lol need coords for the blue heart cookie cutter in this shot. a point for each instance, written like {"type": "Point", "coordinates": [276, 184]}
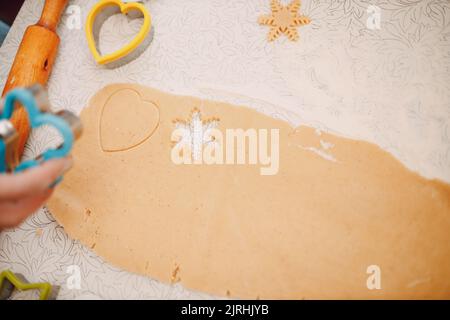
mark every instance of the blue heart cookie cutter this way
{"type": "Point", "coordinates": [37, 119]}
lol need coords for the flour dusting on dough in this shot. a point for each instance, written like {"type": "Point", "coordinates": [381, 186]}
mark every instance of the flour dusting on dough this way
{"type": "Point", "coordinates": [320, 152]}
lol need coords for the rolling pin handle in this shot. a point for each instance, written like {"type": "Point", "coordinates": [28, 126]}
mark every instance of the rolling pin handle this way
{"type": "Point", "coordinates": [51, 14]}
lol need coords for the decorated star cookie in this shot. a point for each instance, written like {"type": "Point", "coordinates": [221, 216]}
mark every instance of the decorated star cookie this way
{"type": "Point", "coordinates": [284, 19]}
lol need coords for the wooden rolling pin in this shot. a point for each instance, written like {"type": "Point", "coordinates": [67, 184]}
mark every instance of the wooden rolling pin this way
{"type": "Point", "coordinates": [34, 61]}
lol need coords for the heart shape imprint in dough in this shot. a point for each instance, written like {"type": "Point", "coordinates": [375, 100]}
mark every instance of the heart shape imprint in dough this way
{"type": "Point", "coordinates": [127, 121]}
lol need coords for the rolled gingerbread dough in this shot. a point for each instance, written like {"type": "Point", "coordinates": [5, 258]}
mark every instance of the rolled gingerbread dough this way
{"type": "Point", "coordinates": [336, 209]}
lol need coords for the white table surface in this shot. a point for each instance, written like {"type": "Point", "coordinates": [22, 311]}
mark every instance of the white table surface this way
{"type": "Point", "coordinates": [389, 86]}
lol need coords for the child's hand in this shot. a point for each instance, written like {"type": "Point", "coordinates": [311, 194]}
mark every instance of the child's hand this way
{"type": "Point", "coordinates": [23, 193]}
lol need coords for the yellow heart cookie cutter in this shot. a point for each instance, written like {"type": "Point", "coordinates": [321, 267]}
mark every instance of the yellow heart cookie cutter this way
{"type": "Point", "coordinates": [100, 8]}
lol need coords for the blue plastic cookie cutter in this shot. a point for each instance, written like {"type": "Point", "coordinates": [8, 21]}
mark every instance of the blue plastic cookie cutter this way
{"type": "Point", "coordinates": [67, 124]}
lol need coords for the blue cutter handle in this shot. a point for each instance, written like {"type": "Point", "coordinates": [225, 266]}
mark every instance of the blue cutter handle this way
{"type": "Point", "coordinates": [37, 119]}
{"type": "Point", "coordinates": [2, 157]}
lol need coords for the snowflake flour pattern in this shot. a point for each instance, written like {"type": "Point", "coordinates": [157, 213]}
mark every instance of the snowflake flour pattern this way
{"type": "Point", "coordinates": [196, 133]}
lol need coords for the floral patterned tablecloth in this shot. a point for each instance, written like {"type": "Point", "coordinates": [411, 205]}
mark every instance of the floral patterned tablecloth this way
{"type": "Point", "coordinates": [377, 70]}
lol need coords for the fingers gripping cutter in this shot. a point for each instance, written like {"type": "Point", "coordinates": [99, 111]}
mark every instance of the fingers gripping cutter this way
{"type": "Point", "coordinates": [34, 100]}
